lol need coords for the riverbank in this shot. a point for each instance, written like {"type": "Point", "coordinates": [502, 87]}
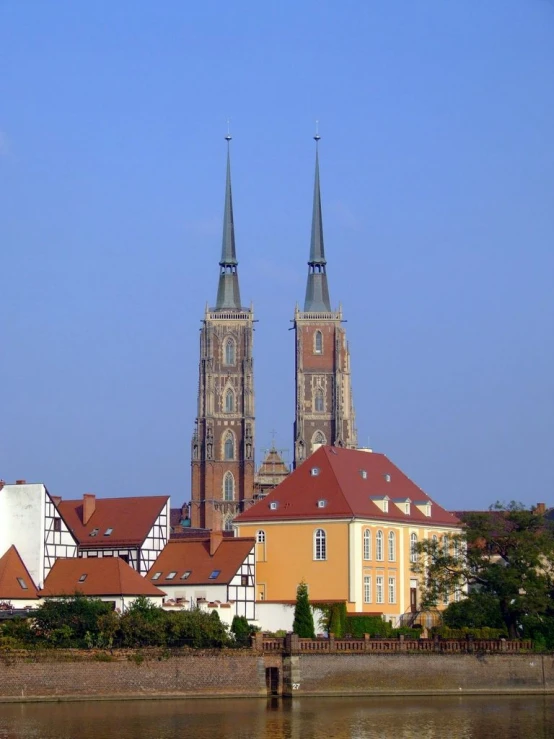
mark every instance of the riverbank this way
{"type": "Point", "coordinates": [161, 674]}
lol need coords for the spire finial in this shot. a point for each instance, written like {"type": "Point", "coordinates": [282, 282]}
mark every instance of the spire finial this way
{"type": "Point", "coordinates": [228, 137]}
{"type": "Point", "coordinates": [317, 136]}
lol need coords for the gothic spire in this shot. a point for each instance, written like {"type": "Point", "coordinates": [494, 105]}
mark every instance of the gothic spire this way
{"type": "Point", "coordinates": [228, 293]}
{"type": "Point", "coordinates": [317, 290]}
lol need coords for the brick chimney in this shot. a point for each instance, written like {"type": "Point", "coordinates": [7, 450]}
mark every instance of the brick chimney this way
{"type": "Point", "coordinates": [216, 537]}
{"type": "Point", "coordinates": [2, 483]}
{"type": "Point", "coordinates": [89, 506]}
{"type": "Point", "coordinates": [21, 482]}
{"type": "Point", "coordinates": [56, 500]}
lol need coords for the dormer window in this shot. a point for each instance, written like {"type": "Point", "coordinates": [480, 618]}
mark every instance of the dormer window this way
{"type": "Point", "coordinates": [424, 506]}
{"type": "Point", "coordinates": [382, 502]}
{"type": "Point", "coordinates": [385, 505]}
{"type": "Point", "coordinates": [387, 477]}
{"type": "Point", "coordinates": [314, 472]}
{"type": "Point", "coordinates": [407, 507]}
{"type": "Point", "coordinates": [321, 503]}
{"type": "Point", "coordinates": [273, 505]}
{"type": "Point", "coordinates": [363, 474]}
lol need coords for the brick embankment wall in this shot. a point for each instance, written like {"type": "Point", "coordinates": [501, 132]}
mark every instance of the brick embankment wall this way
{"type": "Point", "coordinates": [358, 674]}
{"type": "Point", "coordinates": [58, 676]}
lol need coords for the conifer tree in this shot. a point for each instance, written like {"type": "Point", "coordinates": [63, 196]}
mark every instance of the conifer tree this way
{"type": "Point", "coordinates": [303, 619]}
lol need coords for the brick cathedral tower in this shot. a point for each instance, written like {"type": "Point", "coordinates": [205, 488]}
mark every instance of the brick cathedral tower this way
{"type": "Point", "coordinates": [223, 440]}
{"type": "Point", "coordinates": [324, 407]}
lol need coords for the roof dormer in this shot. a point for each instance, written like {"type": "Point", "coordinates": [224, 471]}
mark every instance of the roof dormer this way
{"type": "Point", "coordinates": [404, 504]}
{"type": "Point", "coordinates": [382, 502]}
{"type": "Point", "coordinates": [424, 506]}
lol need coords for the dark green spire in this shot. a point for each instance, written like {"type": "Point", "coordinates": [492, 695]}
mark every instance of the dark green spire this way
{"type": "Point", "coordinates": [317, 290]}
{"type": "Point", "coordinates": [228, 293]}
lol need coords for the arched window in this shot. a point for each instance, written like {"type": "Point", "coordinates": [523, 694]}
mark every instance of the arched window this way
{"type": "Point", "coordinates": [392, 546]}
{"type": "Point", "coordinates": [228, 524]}
{"type": "Point", "coordinates": [413, 544]}
{"type": "Point", "coordinates": [318, 342]}
{"type": "Point", "coordinates": [320, 544]}
{"type": "Point", "coordinates": [229, 401]}
{"type": "Point", "coordinates": [260, 537]}
{"type": "Point", "coordinates": [229, 351]}
{"type": "Point", "coordinates": [228, 486]}
{"type": "Point", "coordinates": [367, 544]}
{"type": "Point", "coordinates": [229, 446]}
{"type": "Point", "coordinates": [319, 406]}
{"type": "Point", "coordinates": [379, 546]}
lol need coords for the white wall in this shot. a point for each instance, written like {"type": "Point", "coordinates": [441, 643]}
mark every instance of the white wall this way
{"type": "Point", "coordinates": [274, 616]}
{"type": "Point", "coordinates": [22, 517]}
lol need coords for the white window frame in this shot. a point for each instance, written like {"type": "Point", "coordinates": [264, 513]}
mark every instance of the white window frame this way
{"type": "Point", "coordinates": [320, 545]}
{"type": "Point", "coordinates": [367, 589]}
{"type": "Point", "coordinates": [392, 546]}
{"type": "Point", "coordinates": [379, 554]}
{"type": "Point", "coordinates": [367, 544]}
{"type": "Point", "coordinates": [260, 537]}
{"type": "Point", "coordinates": [392, 589]}
{"type": "Point", "coordinates": [379, 586]}
{"type": "Point", "coordinates": [413, 553]}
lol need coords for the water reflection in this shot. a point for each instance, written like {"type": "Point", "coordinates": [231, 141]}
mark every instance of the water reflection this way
{"type": "Point", "coordinates": [304, 718]}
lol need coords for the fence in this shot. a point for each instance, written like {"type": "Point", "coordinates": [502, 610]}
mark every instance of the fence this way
{"type": "Point", "coordinates": [292, 644]}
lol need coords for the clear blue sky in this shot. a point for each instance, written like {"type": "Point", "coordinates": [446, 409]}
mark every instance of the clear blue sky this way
{"type": "Point", "coordinates": [437, 166]}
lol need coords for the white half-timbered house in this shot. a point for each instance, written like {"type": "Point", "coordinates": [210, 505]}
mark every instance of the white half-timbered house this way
{"type": "Point", "coordinates": [135, 529]}
{"type": "Point", "coordinates": [30, 521]}
{"type": "Point", "coordinates": [212, 570]}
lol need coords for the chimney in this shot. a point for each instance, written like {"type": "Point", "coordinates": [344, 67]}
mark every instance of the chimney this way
{"type": "Point", "coordinates": [2, 483]}
{"type": "Point", "coordinates": [56, 499]}
{"type": "Point", "coordinates": [216, 537]}
{"type": "Point", "coordinates": [540, 508]}
{"type": "Point", "coordinates": [89, 506]}
{"type": "Point", "coordinates": [21, 482]}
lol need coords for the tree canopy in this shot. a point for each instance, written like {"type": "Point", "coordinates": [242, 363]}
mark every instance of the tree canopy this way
{"type": "Point", "coordinates": [303, 618]}
{"type": "Point", "coordinates": [503, 558]}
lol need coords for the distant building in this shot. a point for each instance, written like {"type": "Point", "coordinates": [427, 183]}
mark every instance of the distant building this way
{"type": "Point", "coordinates": [272, 471]}
{"type": "Point", "coordinates": [223, 442]}
{"type": "Point", "coordinates": [17, 588]}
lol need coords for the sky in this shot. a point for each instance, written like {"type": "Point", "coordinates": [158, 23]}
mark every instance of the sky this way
{"type": "Point", "coordinates": [437, 177]}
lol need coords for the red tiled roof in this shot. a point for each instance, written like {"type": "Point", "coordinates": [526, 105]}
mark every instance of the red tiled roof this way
{"type": "Point", "coordinates": [12, 568]}
{"type": "Point", "coordinates": [104, 576]}
{"type": "Point", "coordinates": [347, 480]}
{"type": "Point", "coordinates": [193, 555]}
{"type": "Point", "coordinates": [129, 518]}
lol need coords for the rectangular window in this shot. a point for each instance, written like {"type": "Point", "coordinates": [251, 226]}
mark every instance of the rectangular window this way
{"type": "Point", "coordinates": [244, 580]}
{"type": "Point", "coordinates": [108, 532]}
{"type": "Point", "coordinates": [185, 575]}
{"type": "Point", "coordinates": [367, 544]}
{"type": "Point", "coordinates": [156, 575]}
{"type": "Point", "coordinates": [57, 524]}
{"type": "Point", "coordinates": [380, 595]}
{"type": "Point", "coordinates": [82, 578]}
{"type": "Point", "coordinates": [214, 574]}
{"type": "Point", "coordinates": [22, 583]}
{"type": "Point", "coordinates": [170, 575]}
{"type": "Point", "coordinates": [392, 590]}
{"type": "Point", "coordinates": [367, 588]}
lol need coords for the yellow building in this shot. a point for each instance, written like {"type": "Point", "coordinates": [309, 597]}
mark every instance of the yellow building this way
{"type": "Point", "coordinates": [346, 522]}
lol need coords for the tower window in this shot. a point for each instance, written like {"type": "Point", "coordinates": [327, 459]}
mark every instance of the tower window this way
{"type": "Point", "coordinates": [228, 486]}
{"type": "Point", "coordinates": [229, 401]}
{"type": "Point", "coordinates": [318, 342]}
{"type": "Point", "coordinates": [229, 446]}
{"type": "Point", "coordinates": [319, 404]}
{"type": "Point", "coordinates": [230, 354]}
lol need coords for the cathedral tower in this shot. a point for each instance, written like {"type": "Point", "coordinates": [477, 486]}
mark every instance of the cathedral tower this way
{"type": "Point", "coordinates": [324, 407]}
{"type": "Point", "coordinates": [223, 440]}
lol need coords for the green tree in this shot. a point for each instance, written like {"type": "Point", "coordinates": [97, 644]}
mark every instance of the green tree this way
{"type": "Point", "coordinates": [67, 621]}
{"type": "Point", "coordinates": [504, 553]}
{"type": "Point", "coordinates": [303, 624]}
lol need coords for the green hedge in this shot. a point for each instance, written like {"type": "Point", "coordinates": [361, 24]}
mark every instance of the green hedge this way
{"type": "Point", "coordinates": [486, 632]}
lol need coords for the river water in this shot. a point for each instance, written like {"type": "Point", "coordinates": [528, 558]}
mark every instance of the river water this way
{"type": "Point", "coordinates": [530, 717]}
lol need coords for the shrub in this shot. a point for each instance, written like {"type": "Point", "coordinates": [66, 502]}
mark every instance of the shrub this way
{"type": "Point", "coordinates": [303, 624]}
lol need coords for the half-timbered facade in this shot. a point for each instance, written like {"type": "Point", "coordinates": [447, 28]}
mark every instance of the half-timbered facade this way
{"type": "Point", "coordinates": [29, 520]}
{"type": "Point", "coordinates": [135, 529]}
{"type": "Point", "coordinates": [210, 569]}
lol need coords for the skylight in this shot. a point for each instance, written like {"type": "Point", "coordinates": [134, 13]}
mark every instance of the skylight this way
{"type": "Point", "coordinates": [107, 532]}
{"type": "Point", "coordinates": [170, 575]}
{"type": "Point", "coordinates": [185, 575]}
{"type": "Point", "coordinates": [94, 532]}
{"type": "Point", "coordinates": [83, 578]}
{"type": "Point", "coordinates": [156, 575]}
{"type": "Point", "coordinates": [22, 583]}
{"type": "Point", "coordinates": [214, 574]}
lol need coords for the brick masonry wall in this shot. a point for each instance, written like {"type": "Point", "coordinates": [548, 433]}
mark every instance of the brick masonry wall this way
{"type": "Point", "coordinates": [206, 673]}
{"type": "Point", "coordinates": [369, 674]}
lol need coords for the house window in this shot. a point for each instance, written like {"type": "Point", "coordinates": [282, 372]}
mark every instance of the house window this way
{"type": "Point", "coordinates": [455, 549]}
{"type": "Point", "coordinates": [318, 342]}
{"type": "Point", "coordinates": [379, 546]}
{"type": "Point", "coordinates": [229, 351]}
{"type": "Point", "coordinates": [392, 546]}
{"type": "Point", "coordinates": [22, 583]}
{"type": "Point", "coordinates": [83, 578]}
{"type": "Point", "coordinates": [392, 590]}
{"type": "Point", "coordinates": [260, 537]}
{"type": "Point", "coordinates": [94, 532]}
{"type": "Point", "coordinates": [229, 401]}
{"type": "Point", "coordinates": [457, 595]}
{"type": "Point", "coordinates": [229, 446]}
{"type": "Point", "coordinates": [314, 472]}
{"type": "Point", "coordinates": [170, 575]}
{"type": "Point", "coordinates": [320, 544]}
{"type": "Point", "coordinates": [274, 505]}
{"type": "Point", "coordinates": [407, 508]}
{"type": "Point", "coordinates": [244, 580]}
{"type": "Point", "coordinates": [228, 486]}
{"type": "Point", "coordinates": [228, 524]}
{"type": "Point", "coordinates": [185, 575]}
{"type": "Point", "coordinates": [435, 540]}
{"type": "Point", "coordinates": [367, 588]}
{"type": "Point", "coordinates": [385, 506]}
{"type": "Point", "coordinates": [214, 574]}
{"type": "Point", "coordinates": [445, 545]}
{"type": "Point", "coordinates": [319, 404]}
{"type": "Point", "coordinates": [379, 582]}
{"type": "Point", "coordinates": [413, 550]}
{"type": "Point", "coordinates": [108, 532]}
{"type": "Point", "coordinates": [367, 544]}
{"type": "Point", "coordinates": [57, 524]}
